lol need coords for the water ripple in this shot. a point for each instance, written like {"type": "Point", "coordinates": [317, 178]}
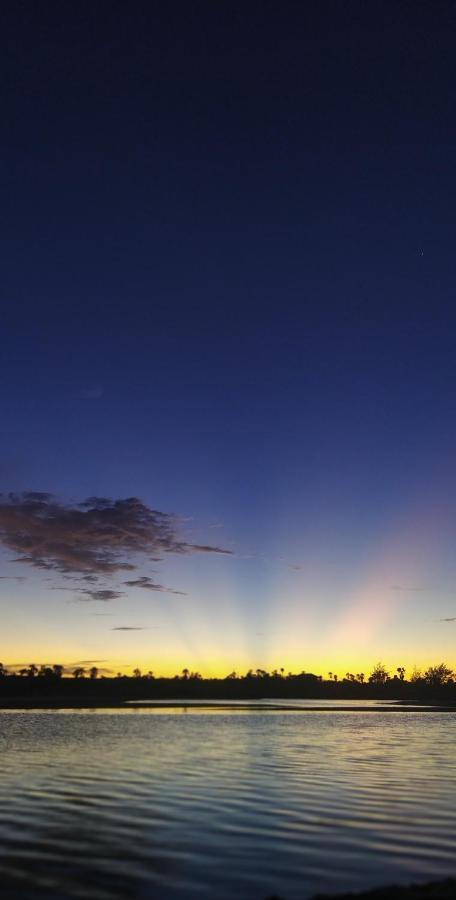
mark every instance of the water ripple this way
{"type": "Point", "coordinates": [146, 805]}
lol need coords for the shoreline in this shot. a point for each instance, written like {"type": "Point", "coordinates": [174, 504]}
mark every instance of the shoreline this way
{"type": "Point", "coordinates": [20, 703]}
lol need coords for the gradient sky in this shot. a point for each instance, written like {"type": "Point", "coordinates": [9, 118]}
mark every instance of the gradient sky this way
{"type": "Point", "coordinates": [228, 289]}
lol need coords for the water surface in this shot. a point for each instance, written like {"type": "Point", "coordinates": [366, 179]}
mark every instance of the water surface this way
{"type": "Point", "coordinates": [223, 804]}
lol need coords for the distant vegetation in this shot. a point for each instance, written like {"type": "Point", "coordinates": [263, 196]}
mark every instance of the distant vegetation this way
{"type": "Point", "coordinates": [80, 684]}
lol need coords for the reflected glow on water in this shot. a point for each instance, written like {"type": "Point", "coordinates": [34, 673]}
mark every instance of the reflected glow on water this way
{"type": "Point", "coordinates": [145, 805]}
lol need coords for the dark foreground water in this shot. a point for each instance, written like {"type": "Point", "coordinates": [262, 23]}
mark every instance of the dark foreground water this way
{"type": "Point", "coordinates": [222, 805]}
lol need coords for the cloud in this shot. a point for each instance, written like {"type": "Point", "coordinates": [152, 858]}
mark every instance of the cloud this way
{"type": "Point", "coordinates": [103, 595]}
{"type": "Point", "coordinates": [421, 589]}
{"type": "Point", "coordinates": [149, 585]}
{"type": "Point", "coordinates": [87, 662]}
{"type": "Point", "coordinates": [98, 537]}
{"type": "Point", "coordinates": [128, 628]}
{"type": "Point", "coordinates": [449, 619]}
{"type": "Point", "coordinates": [203, 548]}
{"type": "Point", "coordinates": [12, 578]}
{"type": "Point", "coordinates": [68, 666]}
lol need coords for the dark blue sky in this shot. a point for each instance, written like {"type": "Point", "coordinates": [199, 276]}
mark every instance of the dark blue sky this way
{"type": "Point", "coordinates": [227, 282]}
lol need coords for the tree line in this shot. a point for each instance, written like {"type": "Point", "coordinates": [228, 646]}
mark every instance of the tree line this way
{"type": "Point", "coordinates": [435, 676]}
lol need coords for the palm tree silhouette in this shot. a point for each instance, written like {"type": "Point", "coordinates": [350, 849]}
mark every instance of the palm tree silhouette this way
{"type": "Point", "coordinates": [79, 672]}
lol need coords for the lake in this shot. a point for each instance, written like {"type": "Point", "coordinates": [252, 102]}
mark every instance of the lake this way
{"type": "Point", "coordinates": [223, 803]}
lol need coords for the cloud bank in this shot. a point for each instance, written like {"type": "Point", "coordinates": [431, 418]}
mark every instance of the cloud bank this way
{"type": "Point", "coordinates": [96, 538]}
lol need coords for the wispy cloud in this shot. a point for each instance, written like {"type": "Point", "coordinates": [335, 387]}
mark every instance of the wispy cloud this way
{"type": "Point", "coordinates": [421, 588]}
{"type": "Point", "coordinates": [129, 628]}
{"type": "Point", "coordinates": [87, 662]}
{"type": "Point", "coordinates": [144, 581]}
{"type": "Point", "coordinates": [68, 666]}
{"type": "Point", "coordinates": [103, 595]}
{"type": "Point", "coordinates": [448, 619]}
{"type": "Point", "coordinates": [99, 537]}
{"type": "Point", "coordinates": [203, 548]}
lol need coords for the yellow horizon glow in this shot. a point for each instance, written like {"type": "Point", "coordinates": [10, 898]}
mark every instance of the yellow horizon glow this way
{"type": "Point", "coordinates": [213, 669]}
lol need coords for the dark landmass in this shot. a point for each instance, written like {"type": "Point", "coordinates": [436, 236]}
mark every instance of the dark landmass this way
{"type": "Point", "coordinates": [433, 890]}
{"type": "Point", "coordinates": [48, 687]}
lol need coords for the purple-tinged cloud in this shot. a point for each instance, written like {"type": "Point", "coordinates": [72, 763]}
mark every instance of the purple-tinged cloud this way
{"type": "Point", "coordinates": [99, 537]}
{"type": "Point", "coordinates": [202, 548]}
{"type": "Point", "coordinates": [149, 585]}
{"type": "Point", "coordinates": [103, 595]}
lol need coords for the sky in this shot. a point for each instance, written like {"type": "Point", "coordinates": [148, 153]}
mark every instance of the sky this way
{"type": "Point", "coordinates": [227, 365]}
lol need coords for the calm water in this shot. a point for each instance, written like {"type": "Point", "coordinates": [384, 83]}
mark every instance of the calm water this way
{"type": "Point", "coordinates": [223, 804]}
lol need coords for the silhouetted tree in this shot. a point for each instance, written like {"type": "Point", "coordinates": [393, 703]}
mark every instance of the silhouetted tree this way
{"type": "Point", "coordinates": [93, 673]}
{"type": "Point", "coordinates": [379, 675]}
{"type": "Point", "coordinates": [79, 672]}
{"type": "Point", "coordinates": [45, 672]}
{"type": "Point", "coordinates": [137, 673]}
{"type": "Point", "coordinates": [437, 676]}
{"type": "Point", "coordinates": [416, 676]}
